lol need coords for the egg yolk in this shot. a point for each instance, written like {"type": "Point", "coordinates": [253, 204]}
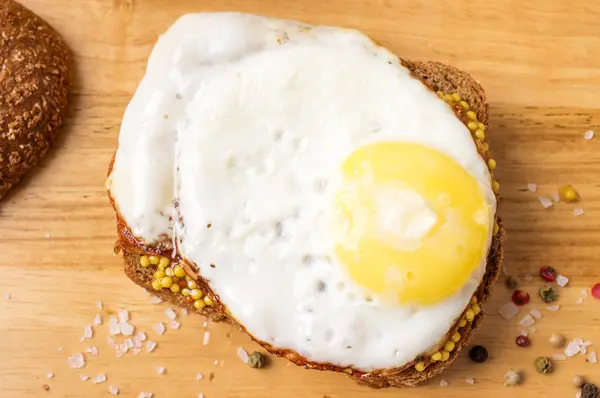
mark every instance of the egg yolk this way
{"type": "Point", "coordinates": [413, 224]}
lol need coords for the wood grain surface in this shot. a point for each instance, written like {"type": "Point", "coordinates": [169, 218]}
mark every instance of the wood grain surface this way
{"type": "Point", "coordinates": [539, 61]}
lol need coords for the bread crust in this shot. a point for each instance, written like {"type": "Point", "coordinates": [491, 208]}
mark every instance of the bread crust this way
{"type": "Point", "coordinates": [35, 75]}
{"type": "Point", "coordinates": [439, 78]}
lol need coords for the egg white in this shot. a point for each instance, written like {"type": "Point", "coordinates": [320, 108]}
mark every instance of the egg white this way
{"type": "Point", "coordinates": [245, 121]}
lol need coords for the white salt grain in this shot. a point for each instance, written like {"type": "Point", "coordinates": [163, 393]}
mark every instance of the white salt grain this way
{"type": "Point", "coordinates": [170, 313]}
{"type": "Point", "coordinates": [92, 350]}
{"type": "Point", "coordinates": [99, 304]}
{"type": "Point", "coordinates": [524, 332]}
{"type": "Point", "coordinates": [161, 370]}
{"type": "Point", "coordinates": [532, 187]}
{"type": "Point", "coordinates": [470, 380]}
{"type": "Point", "coordinates": [559, 357]}
{"type": "Point", "coordinates": [200, 395]}
{"type": "Point", "coordinates": [127, 329]}
{"type": "Point", "coordinates": [584, 346]}
{"type": "Point", "coordinates": [578, 212]}
{"type": "Point", "coordinates": [205, 324]}
{"type": "Point", "coordinates": [527, 321]}
{"type": "Point", "coordinates": [76, 361]}
{"type": "Point", "coordinates": [508, 311]}
{"type": "Point", "coordinates": [136, 351]}
{"type": "Point", "coordinates": [588, 135]}
{"type": "Point", "coordinates": [579, 300]}
{"type": "Point", "coordinates": [114, 390]}
{"type": "Point", "coordinates": [553, 307]}
{"type": "Point", "coordinates": [562, 280]}
{"type": "Point", "coordinates": [216, 362]}
{"type": "Point", "coordinates": [174, 324]}
{"type": "Point", "coordinates": [443, 383]}
{"type": "Point", "coordinates": [242, 354]}
{"type": "Point", "coordinates": [155, 300]}
{"type": "Point", "coordinates": [145, 395]}
{"type": "Point", "coordinates": [123, 316]}
{"type": "Point", "coordinates": [49, 375]}
{"type": "Point", "coordinates": [6, 296]}
{"type": "Point", "coordinates": [583, 293]}
{"type": "Point", "coordinates": [184, 312]}
{"type": "Point", "coordinates": [199, 376]}
{"type": "Point", "coordinates": [84, 377]}
{"type": "Point", "coordinates": [592, 357]}
{"type": "Point", "coordinates": [114, 327]}
{"type": "Point", "coordinates": [572, 349]}
{"type": "Point", "coordinates": [528, 278]}
{"type": "Point", "coordinates": [532, 329]}
{"type": "Point", "coordinates": [150, 346]}
{"type": "Point", "coordinates": [142, 336]}
{"type": "Point", "coordinates": [578, 395]}
{"type": "Point", "coordinates": [98, 319]}
{"type": "Point", "coordinates": [159, 328]}
{"type": "Point", "coordinates": [206, 337]}
{"type": "Point", "coordinates": [546, 202]}
{"type": "Point", "coordinates": [88, 332]}
{"type": "Point", "coordinates": [556, 197]}
{"type": "Point", "coordinates": [99, 378]}
{"type": "Point", "coordinates": [535, 313]}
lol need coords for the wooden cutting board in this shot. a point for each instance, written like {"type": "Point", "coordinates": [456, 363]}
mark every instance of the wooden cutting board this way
{"type": "Point", "coordinates": [540, 64]}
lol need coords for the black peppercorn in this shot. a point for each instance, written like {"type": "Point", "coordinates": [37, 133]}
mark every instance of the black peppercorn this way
{"type": "Point", "coordinates": [478, 354]}
{"type": "Point", "coordinates": [589, 390]}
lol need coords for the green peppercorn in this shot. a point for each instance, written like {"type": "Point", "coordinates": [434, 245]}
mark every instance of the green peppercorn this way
{"type": "Point", "coordinates": [256, 360]}
{"type": "Point", "coordinates": [543, 365]}
{"type": "Point", "coordinates": [511, 282]}
{"type": "Point", "coordinates": [548, 294]}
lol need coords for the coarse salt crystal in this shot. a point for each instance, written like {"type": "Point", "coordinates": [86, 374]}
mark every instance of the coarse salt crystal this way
{"type": "Point", "coordinates": [583, 293]}
{"type": "Point", "coordinates": [578, 394]}
{"type": "Point", "coordinates": [588, 135]}
{"type": "Point", "coordinates": [556, 197]}
{"type": "Point", "coordinates": [184, 312]}
{"type": "Point", "coordinates": [546, 202]}
{"type": "Point", "coordinates": [579, 300]}
{"type": "Point", "coordinates": [114, 390]}
{"type": "Point", "coordinates": [76, 361]}
{"type": "Point", "coordinates": [159, 328]}
{"type": "Point", "coordinates": [49, 375]}
{"type": "Point", "coordinates": [98, 319]}
{"type": "Point", "coordinates": [92, 350]}
{"type": "Point", "coordinates": [88, 332]}
{"type": "Point", "coordinates": [114, 327]}
{"type": "Point", "coordinates": [99, 304]}
{"type": "Point", "coordinates": [527, 321]}
{"type": "Point", "coordinates": [123, 348]}
{"type": "Point", "coordinates": [532, 187]}
{"type": "Point", "coordinates": [508, 311]}
{"type": "Point", "coordinates": [142, 336]}
{"type": "Point", "coordinates": [155, 300]}
{"type": "Point", "coordinates": [123, 316]}
{"type": "Point", "coordinates": [562, 280]}
{"type": "Point", "coordinates": [572, 349]}
{"type": "Point", "coordinates": [242, 354]}
{"type": "Point", "coordinates": [84, 377]}
{"type": "Point", "coordinates": [592, 357]}
{"type": "Point", "coordinates": [110, 340]}
{"type": "Point", "coordinates": [553, 307]}
{"type": "Point", "coordinates": [145, 395]}
{"type": "Point", "coordinates": [578, 212]}
{"type": "Point", "coordinates": [559, 357]}
{"type": "Point", "coordinates": [136, 351]}
{"type": "Point", "coordinates": [528, 278]}
{"type": "Point", "coordinates": [535, 313]}
{"type": "Point", "coordinates": [205, 324]}
{"type": "Point", "coordinates": [174, 324]}
{"type": "Point", "coordinates": [6, 296]}
{"type": "Point", "coordinates": [216, 362]}
{"type": "Point", "coordinates": [199, 376]}
{"type": "Point", "coordinates": [532, 329]}
{"type": "Point", "coordinates": [584, 346]}
{"type": "Point", "coordinates": [443, 383]}
{"type": "Point", "coordinates": [47, 235]}
{"type": "Point", "coordinates": [127, 329]}
{"type": "Point", "coordinates": [150, 346]}
{"type": "Point", "coordinates": [200, 395]}
{"type": "Point", "coordinates": [170, 313]}
{"type": "Point", "coordinates": [99, 378]}
{"type": "Point", "coordinates": [524, 332]}
{"type": "Point", "coordinates": [206, 337]}
{"type": "Point", "coordinates": [470, 380]}
{"type": "Point", "coordinates": [161, 370]}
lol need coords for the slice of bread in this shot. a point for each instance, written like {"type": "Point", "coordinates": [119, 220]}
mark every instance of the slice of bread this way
{"type": "Point", "coordinates": [34, 79]}
{"type": "Point", "coordinates": [467, 94]}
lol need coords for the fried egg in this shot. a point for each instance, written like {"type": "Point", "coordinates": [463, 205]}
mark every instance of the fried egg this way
{"type": "Point", "coordinates": [336, 206]}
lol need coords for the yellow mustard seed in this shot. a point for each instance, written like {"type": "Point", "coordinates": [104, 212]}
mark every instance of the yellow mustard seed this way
{"type": "Point", "coordinates": [496, 228]}
{"type": "Point", "coordinates": [192, 284]}
{"type": "Point", "coordinates": [473, 300]}
{"type": "Point", "coordinates": [188, 278]}
{"type": "Point", "coordinates": [199, 304]}
{"type": "Point", "coordinates": [196, 294]}
{"type": "Point", "coordinates": [449, 346]}
{"type": "Point", "coordinates": [164, 261]}
{"type": "Point", "coordinates": [568, 194]}
{"type": "Point", "coordinates": [462, 323]}
{"type": "Point", "coordinates": [185, 292]}
{"type": "Point", "coordinates": [479, 134]}
{"type": "Point", "coordinates": [208, 301]}
{"type": "Point", "coordinates": [154, 260]}
{"type": "Point", "coordinates": [144, 261]}
{"type": "Point", "coordinates": [456, 337]}
{"type": "Point", "coordinates": [456, 97]}
{"type": "Point", "coordinates": [179, 271]}
{"type": "Point", "coordinates": [470, 315]}
{"type": "Point", "coordinates": [472, 116]}
{"type": "Point", "coordinates": [492, 164]}
{"type": "Point", "coordinates": [448, 98]}
{"type": "Point", "coordinates": [463, 105]}
{"type": "Point", "coordinates": [440, 93]}
{"type": "Point", "coordinates": [420, 366]}
{"type": "Point", "coordinates": [445, 355]}
{"type": "Point", "coordinates": [472, 126]}
{"type": "Point", "coordinates": [175, 288]}
{"type": "Point", "coordinates": [481, 126]}
{"type": "Point", "coordinates": [476, 308]}
{"type": "Point", "coordinates": [437, 356]}
{"type": "Point", "coordinates": [159, 274]}
{"type": "Point", "coordinates": [495, 186]}
{"type": "Point", "coordinates": [167, 281]}
{"type": "Point", "coordinates": [169, 272]}
{"type": "Point", "coordinates": [156, 285]}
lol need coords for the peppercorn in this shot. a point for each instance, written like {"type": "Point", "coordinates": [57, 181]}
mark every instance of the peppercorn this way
{"type": "Point", "coordinates": [578, 381]}
{"type": "Point", "coordinates": [523, 341]}
{"type": "Point", "coordinates": [46, 387]}
{"type": "Point", "coordinates": [548, 273]}
{"type": "Point", "coordinates": [511, 282]}
{"type": "Point", "coordinates": [256, 360]}
{"type": "Point", "coordinates": [548, 294]}
{"type": "Point", "coordinates": [589, 390]}
{"type": "Point", "coordinates": [512, 378]}
{"type": "Point", "coordinates": [520, 297]}
{"type": "Point", "coordinates": [478, 354]}
{"type": "Point", "coordinates": [556, 340]}
{"type": "Point", "coordinates": [543, 365]}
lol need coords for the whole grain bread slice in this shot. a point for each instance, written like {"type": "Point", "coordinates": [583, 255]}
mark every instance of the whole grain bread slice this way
{"type": "Point", "coordinates": [35, 70]}
{"type": "Point", "coordinates": [440, 78]}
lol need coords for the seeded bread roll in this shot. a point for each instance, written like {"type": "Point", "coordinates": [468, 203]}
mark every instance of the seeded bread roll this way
{"type": "Point", "coordinates": [191, 291]}
{"type": "Point", "coordinates": [34, 78]}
